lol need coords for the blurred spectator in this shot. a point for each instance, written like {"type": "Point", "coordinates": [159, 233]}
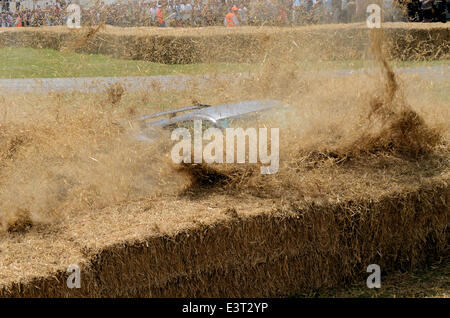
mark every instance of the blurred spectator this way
{"type": "Point", "coordinates": [160, 17]}
{"type": "Point", "coordinates": [232, 18]}
{"type": "Point", "coordinates": [18, 22]}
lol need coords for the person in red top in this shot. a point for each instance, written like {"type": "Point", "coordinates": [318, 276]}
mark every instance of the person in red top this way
{"type": "Point", "coordinates": [160, 17]}
{"type": "Point", "coordinates": [282, 17]}
{"type": "Point", "coordinates": [18, 22]}
{"type": "Point", "coordinates": [232, 18]}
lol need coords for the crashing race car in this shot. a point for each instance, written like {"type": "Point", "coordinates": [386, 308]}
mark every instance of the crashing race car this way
{"type": "Point", "coordinates": [219, 116]}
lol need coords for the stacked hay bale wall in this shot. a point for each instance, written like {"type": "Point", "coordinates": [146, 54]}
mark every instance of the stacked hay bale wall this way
{"type": "Point", "coordinates": [249, 44]}
{"type": "Point", "coordinates": [277, 253]}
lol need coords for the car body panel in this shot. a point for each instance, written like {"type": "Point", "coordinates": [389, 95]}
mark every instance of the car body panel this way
{"type": "Point", "coordinates": [217, 115]}
{"type": "Point", "coordinates": [217, 112]}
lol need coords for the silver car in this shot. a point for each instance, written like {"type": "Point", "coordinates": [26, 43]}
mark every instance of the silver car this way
{"type": "Point", "coordinates": [220, 116]}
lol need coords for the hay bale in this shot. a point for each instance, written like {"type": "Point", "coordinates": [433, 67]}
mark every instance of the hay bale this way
{"type": "Point", "coordinates": [263, 254]}
{"type": "Point", "coordinates": [246, 44]}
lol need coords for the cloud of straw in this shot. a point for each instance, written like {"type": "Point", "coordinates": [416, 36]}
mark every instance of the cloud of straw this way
{"type": "Point", "coordinates": [72, 160]}
{"type": "Point", "coordinates": [67, 159]}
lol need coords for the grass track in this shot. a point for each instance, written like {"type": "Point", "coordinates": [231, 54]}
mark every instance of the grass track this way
{"type": "Point", "coordinates": [48, 63]}
{"type": "Point", "coordinates": [32, 63]}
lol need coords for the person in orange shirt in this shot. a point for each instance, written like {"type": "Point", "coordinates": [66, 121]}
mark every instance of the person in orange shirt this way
{"type": "Point", "coordinates": [160, 17]}
{"type": "Point", "coordinates": [231, 18]}
{"type": "Point", "coordinates": [18, 22]}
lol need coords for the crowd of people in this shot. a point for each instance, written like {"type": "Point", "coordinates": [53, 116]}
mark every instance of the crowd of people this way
{"type": "Point", "coordinates": [176, 13]}
{"type": "Point", "coordinates": [50, 15]}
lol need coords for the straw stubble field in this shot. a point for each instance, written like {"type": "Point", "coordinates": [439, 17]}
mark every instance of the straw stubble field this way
{"type": "Point", "coordinates": [363, 179]}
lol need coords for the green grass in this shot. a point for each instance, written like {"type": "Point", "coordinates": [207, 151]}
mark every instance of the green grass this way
{"type": "Point", "coordinates": [433, 281]}
{"type": "Point", "coordinates": [33, 63]}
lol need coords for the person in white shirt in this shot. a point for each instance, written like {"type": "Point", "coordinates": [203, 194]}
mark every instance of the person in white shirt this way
{"type": "Point", "coordinates": [187, 11]}
{"type": "Point", "coordinates": [328, 10]}
{"type": "Point", "coordinates": [243, 14]}
{"type": "Point", "coordinates": [152, 13]}
{"type": "Point", "coordinates": [296, 9]}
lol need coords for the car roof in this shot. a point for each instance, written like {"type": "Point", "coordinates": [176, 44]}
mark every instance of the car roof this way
{"type": "Point", "coordinates": [217, 112]}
